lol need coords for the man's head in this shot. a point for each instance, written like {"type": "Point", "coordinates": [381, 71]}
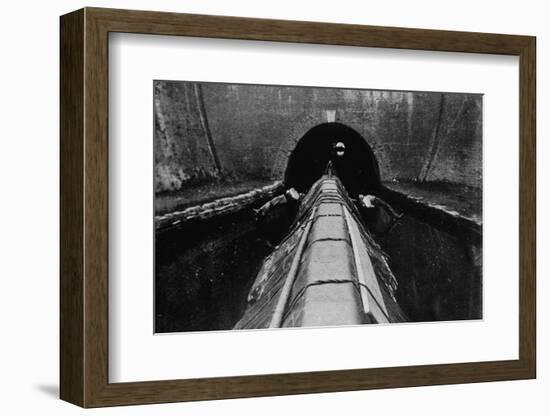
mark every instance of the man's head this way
{"type": "Point", "coordinates": [339, 149]}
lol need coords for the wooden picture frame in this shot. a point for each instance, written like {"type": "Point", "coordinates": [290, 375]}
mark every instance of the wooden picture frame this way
{"type": "Point", "coordinates": [84, 207]}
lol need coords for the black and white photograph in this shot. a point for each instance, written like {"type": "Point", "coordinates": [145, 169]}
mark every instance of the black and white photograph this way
{"type": "Point", "coordinates": [295, 206]}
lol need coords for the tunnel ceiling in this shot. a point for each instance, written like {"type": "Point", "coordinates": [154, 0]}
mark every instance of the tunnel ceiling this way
{"type": "Point", "coordinates": [358, 168]}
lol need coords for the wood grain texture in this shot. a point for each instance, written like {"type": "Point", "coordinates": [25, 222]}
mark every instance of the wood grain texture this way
{"type": "Point", "coordinates": [71, 212]}
{"type": "Point", "coordinates": [527, 208]}
{"type": "Point", "coordinates": [84, 207]}
{"type": "Point", "coordinates": [162, 23]}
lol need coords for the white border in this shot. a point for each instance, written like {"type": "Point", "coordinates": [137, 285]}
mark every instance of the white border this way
{"type": "Point", "coordinates": [135, 354]}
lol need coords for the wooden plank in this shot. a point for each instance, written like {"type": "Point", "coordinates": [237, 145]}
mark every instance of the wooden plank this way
{"type": "Point", "coordinates": [72, 342]}
{"type": "Point", "coordinates": [226, 27]}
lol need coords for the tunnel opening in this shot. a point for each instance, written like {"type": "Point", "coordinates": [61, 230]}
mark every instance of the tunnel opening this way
{"type": "Point", "coordinates": [357, 167]}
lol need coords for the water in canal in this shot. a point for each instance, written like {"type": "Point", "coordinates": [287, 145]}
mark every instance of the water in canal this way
{"type": "Point", "coordinates": [204, 271]}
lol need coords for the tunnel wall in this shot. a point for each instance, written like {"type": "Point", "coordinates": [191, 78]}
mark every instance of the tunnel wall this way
{"type": "Point", "coordinates": [245, 132]}
{"type": "Point", "coordinates": [183, 154]}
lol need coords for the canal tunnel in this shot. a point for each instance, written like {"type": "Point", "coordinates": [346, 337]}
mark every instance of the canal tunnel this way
{"type": "Point", "coordinates": [357, 167]}
{"type": "Point", "coordinates": [209, 246]}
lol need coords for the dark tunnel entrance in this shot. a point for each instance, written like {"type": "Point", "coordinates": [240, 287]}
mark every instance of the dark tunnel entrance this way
{"type": "Point", "coordinates": [357, 168]}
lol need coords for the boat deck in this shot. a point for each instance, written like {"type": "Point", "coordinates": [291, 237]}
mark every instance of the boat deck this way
{"type": "Point", "coordinates": [327, 271]}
